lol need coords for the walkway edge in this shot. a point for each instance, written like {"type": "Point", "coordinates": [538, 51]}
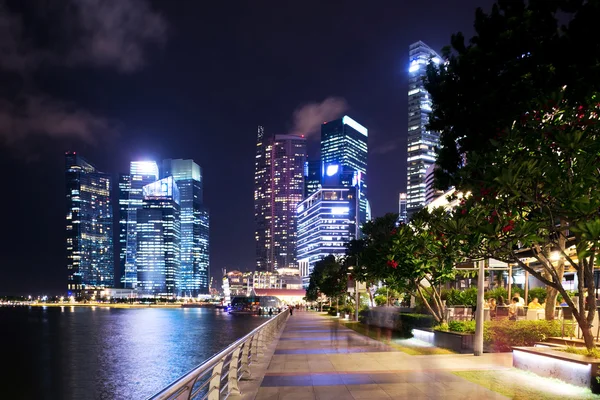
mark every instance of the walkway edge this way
{"type": "Point", "coordinates": [249, 387]}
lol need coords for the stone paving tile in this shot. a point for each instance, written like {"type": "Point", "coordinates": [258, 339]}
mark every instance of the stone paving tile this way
{"type": "Point", "coordinates": [309, 363]}
{"type": "Point", "coordinates": [333, 393]}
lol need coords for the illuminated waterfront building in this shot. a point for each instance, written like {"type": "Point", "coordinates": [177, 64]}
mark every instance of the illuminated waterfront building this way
{"type": "Point", "coordinates": [141, 173]}
{"type": "Point", "coordinates": [422, 143]}
{"type": "Point", "coordinates": [89, 226]}
{"type": "Point", "coordinates": [327, 220]}
{"type": "Point", "coordinates": [344, 144]}
{"type": "Point", "coordinates": [193, 278]}
{"type": "Point", "coordinates": [278, 188]}
{"type": "Point", "coordinates": [158, 239]}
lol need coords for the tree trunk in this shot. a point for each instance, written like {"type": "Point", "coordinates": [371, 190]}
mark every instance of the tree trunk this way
{"type": "Point", "coordinates": [551, 295]}
{"type": "Point", "coordinates": [586, 329]}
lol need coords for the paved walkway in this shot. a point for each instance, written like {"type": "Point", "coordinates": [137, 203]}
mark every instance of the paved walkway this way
{"type": "Point", "coordinates": [317, 358]}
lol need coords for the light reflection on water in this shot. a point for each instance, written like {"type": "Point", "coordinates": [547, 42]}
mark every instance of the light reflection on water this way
{"type": "Point", "coordinates": [104, 353]}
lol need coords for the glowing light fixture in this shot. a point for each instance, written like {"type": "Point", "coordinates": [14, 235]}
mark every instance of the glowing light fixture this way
{"type": "Point", "coordinates": [353, 124]}
{"type": "Point", "coordinates": [332, 169]}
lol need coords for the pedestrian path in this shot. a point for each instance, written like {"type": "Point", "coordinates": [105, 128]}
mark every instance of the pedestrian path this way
{"type": "Point", "coordinates": [318, 358]}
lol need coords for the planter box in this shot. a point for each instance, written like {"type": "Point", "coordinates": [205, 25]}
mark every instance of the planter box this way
{"type": "Point", "coordinates": [575, 369]}
{"type": "Point", "coordinates": [424, 335]}
{"type": "Point", "coordinates": [456, 341]}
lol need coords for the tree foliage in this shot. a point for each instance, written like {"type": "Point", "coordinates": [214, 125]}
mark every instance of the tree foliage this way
{"type": "Point", "coordinates": [520, 105]}
{"type": "Point", "coordinates": [328, 277]}
{"type": "Point", "coordinates": [519, 55]}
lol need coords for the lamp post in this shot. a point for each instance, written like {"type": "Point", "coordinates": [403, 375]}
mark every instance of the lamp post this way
{"type": "Point", "coordinates": [478, 342]}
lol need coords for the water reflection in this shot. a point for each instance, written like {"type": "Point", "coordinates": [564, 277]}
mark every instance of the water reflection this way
{"type": "Point", "coordinates": [108, 353]}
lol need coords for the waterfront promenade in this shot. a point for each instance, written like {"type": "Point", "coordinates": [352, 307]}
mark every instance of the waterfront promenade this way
{"type": "Point", "coordinates": [318, 358]}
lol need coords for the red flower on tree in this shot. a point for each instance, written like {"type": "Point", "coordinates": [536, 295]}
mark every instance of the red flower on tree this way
{"type": "Point", "coordinates": [509, 227]}
{"type": "Point", "coordinates": [392, 263]}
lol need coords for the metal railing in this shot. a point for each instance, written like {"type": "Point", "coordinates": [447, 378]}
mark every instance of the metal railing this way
{"type": "Point", "coordinates": [218, 377]}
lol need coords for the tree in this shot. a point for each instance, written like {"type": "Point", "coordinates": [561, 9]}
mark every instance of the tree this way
{"type": "Point", "coordinates": [522, 112]}
{"type": "Point", "coordinates": [541, 202]}
{"type": "Point", "coordinates": [519, 56]}
{"type": "Point", "coordinates": [422, 256]}
{"type": "Point", "coordinates": [329, 277]}
{"type": "Point", "coordinates": [368, 255]}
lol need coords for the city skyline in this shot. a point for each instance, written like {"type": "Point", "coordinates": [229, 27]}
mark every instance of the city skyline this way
{"type": "Point", "coordinates": [170, 101]}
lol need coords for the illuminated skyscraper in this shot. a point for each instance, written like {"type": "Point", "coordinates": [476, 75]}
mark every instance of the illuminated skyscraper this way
{"type": "Point", "coordinates": [89, 229]}
{"type": "Point", "coordinates": [141, 173]}
{"type": "Point", "coordinates": [194, 276]}
{"type": "Point", "coordinates": [278, 188]}
{"type": "Point", "coordinates": [344, 143]}
{"type": "Point", "coordinates": [402, 213]}
{"type": "Point", "coordinates": [158, 239]}
{"type": "Point", "coordinates": [421, 142]}
{"type": "Point", "coordinates": [312, 177]}
{"type": "Point", "coordinates": [327, 220]}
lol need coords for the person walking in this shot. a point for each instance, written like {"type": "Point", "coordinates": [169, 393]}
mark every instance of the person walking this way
{"type": "Point", "coordinates": [291, 311]}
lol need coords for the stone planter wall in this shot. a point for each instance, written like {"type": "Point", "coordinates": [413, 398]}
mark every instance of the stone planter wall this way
{"type": "Point", "coordinates": [455, 341]}
{"type": "Point", "coordinates": [571, 368]}
{"type": "Point", "coordinates": [385, 317]}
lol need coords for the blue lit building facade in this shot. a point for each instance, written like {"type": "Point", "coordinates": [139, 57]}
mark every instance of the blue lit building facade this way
{"type": "Point", "coordinates": [194, 270]}
{"type": "Point", "coordinates": [89, 226]}
{"type": "Point", "coordinates": [344, 142]}
{"type": "Point", "coordinates": [158, 239]}
{"type": "Point", "coordinates": [422, 143]}
{"type": "Point", "coordinates": [327, 220]}
{"type": "Point", "coordinates": [141, 173]}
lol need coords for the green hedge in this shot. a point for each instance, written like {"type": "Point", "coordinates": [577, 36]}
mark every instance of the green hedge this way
{"type": "Point", "coordinates": [501, 336]}
{"type": "Point", "coordinates": [331, 310]}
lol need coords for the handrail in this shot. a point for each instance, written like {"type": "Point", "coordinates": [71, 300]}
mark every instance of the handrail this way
{"type": "Point", "coordinates": [220, 374]}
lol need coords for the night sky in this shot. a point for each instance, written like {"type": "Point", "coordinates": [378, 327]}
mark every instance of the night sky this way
{"type": "Point", "coordinates": [137, 79]}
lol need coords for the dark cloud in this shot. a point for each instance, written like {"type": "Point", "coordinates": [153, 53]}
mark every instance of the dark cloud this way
{"type": "Point", "coordinates": [309, 117]}
{"type": "Point", "coordinates": [116, 33]}
{"type": "Point", "coordinates": [76, 33]}
{"type": "Point", "coordinates": [32, 115]}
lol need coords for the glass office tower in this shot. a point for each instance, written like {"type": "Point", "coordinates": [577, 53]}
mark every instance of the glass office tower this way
{"type": "Point", "coordinates": [421, 142]}
{"type": "Point", "coordinates": [158, 239]}
{"type": "Point", "coordinates": [312, 177]}
{"type": "Point", "coordinates": [89, 228]}
{"type": "Point", "coordinates": [141, 173]}
{"type": "Point", "coordinates": [278, 188]}
{"type": "Point", "coordinates": [327, 220]}
{"type": "Point", "coordinates": [194, 271]}
{"type": "Point", "coordinates": [344, 143]}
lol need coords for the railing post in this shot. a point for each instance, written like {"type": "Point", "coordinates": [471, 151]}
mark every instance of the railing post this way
{"type": "Point", "coordinates": [256, 347]}
{"type": "Point", "coordinates": [246, 358]}
{"type": "Point", "coordinates": [233, 371]}
{"type": "Point", "coordinates": [214, 387]}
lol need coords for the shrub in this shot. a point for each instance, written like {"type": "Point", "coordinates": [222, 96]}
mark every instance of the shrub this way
{"type": "Point", "coordinates": [539, 292]}
{"type": "Point", "coordinates": [347, 309]}
{"type": "Point", "coordinates": [416, 320]}
{"type": "Point", "coordinates": [331, 310]}
{"type": "Point", "coordinates": [503, 335]}
{"type": "Point", "coordinates": [455, 297]}
{"type": "Point", "coordinates": [380, 300]}
{"type": "Point", "coordinates": [461, 326]}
